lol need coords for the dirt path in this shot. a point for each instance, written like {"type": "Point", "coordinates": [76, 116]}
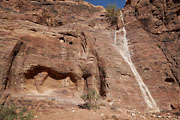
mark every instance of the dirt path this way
{"type": "Point", "coordinates": [74, 113]}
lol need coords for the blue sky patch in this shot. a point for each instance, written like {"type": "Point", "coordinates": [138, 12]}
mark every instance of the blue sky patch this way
{"type": "Point", "coordinates": [119, 3]}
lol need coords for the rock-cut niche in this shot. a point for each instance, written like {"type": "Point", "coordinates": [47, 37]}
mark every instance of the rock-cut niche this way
{"type": "Point", "coordinates": [43, 80]}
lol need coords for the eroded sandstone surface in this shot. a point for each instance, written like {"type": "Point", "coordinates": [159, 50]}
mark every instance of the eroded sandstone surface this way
{"type": "Point", "coordinates": [52, 51]}
{"type": "Point", "coordinates": [153, 33]}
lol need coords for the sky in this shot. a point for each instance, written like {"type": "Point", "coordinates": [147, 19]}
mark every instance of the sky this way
{"type": "Point", "coordinates": [119, 3]}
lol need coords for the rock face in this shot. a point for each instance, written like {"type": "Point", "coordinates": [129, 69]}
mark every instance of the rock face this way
{"type": "Point", "coordinates": [38, 59]}
{"type": "Point", "coordinates": [153, 32]}
{"type": "Point", "coordinates": [60, 48]}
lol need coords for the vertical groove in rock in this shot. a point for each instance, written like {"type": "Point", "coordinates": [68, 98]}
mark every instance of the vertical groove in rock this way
{"type": "Point", "coordinates": [102, 75]}
{"type": "Point", "coordinates": [10, 61]}
{"type": "Point", "coordinates": [169, 59]}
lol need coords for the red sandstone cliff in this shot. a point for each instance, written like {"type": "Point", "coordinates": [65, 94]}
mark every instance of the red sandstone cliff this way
{"type": "Point", "coordinates": [56, 49]}
{"type": "Point", "coordinates": [153, 31]}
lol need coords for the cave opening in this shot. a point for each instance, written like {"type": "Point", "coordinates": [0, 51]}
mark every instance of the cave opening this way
{"type": "Point", "coordinates": [43, 79]}
{"type": "Point", "coordinates": [52, 73]}
{"type": "Point", "coordinates": [169, 80]}
{"type": "Point", "coordinates": [71, 43]}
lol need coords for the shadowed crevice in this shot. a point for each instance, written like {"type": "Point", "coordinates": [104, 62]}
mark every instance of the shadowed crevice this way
{"type": "Point", "coordinates": [12, 56]}
{"type": "Point", "coordinates": [52, 73]}
{"type": "Point", "coordinates": [169, 80]}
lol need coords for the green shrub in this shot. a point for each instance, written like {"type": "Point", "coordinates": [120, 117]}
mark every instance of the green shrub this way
{"type": "Point", "coordinates": [90, 99]}
{"type": "Point", "coordinates": [14, 113]}
{"type": "Point", "coordinates": [112, 13]}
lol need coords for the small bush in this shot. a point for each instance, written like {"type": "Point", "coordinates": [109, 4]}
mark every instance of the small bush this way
{"type": "Point", "coordinates": [112, 13]}
{"type": "Point", "coordinates": [90, 99]}
{"type": "Point", "coordinates": [14, 113]}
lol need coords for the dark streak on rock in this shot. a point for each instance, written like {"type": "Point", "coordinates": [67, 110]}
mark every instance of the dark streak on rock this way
{"type": "Point", "coordinates": [10, 62]}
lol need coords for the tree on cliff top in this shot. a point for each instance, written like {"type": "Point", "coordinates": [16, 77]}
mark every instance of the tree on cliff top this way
{"type": "Point", "coordinates": [112, 13]}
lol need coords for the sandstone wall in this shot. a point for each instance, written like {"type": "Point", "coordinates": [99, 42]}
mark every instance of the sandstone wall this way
{"type": "Point", "coordinates": [61, 48]}
{"type": "Point", "coordinates": [153, 33]}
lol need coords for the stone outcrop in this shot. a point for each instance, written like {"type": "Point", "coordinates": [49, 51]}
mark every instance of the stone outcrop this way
{"type": "Point", "coordinates": [39, 59]}
{"type": "Point", "coordinates": [60, 48]}
{"type": "Point", "coordinates": [153, 33]}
